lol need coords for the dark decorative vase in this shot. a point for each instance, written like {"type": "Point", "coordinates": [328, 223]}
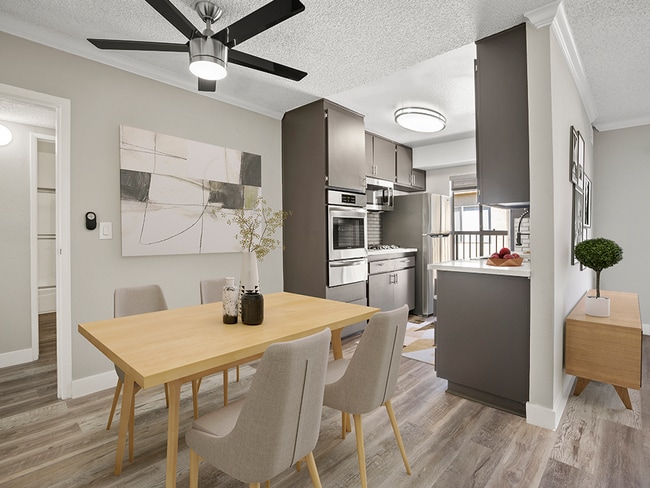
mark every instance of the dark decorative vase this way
{"type": "Point", "coordinates": [252, 308]}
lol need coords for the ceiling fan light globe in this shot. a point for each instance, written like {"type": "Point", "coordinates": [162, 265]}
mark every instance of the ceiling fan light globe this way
{"type": "Point", "coordinates": [420, 119]}
{"type": "Point", "coordinates": [208, 70]}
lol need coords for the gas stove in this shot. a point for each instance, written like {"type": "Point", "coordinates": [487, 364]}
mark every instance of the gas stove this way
{"type": "Point", "coordinates": [382, 247]}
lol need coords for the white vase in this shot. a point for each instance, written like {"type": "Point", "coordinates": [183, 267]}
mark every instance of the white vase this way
{"type": "Point", "coordinates": [597, 307]}
{"type": "Point", "coordinates": [249, 278]}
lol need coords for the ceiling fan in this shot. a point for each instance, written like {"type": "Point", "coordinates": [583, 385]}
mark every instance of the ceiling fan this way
{"type": "Point", "coordinates": [210, 52]}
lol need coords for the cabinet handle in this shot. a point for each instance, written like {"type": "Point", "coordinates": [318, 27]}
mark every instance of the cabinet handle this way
{"type": "Point", "coordinates": [395, 278]}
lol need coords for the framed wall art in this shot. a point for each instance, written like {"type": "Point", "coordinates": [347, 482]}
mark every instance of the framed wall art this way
{"type": "Point", "coordinates": [176, 194]}
{"type": "Point", "coordinates": [573, 156]}
{"type": "Point", "coordinates": [577, 221]}
{"type": "Point", "coordinates": [581, 161]}
{"type": "Point", "coordinates": [587, 204]}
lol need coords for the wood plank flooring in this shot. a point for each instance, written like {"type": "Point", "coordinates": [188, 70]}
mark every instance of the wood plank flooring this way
{"type": "Point", "coordinates": [450, 441]}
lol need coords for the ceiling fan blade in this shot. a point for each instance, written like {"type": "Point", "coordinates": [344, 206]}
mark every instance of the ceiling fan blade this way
{"type": "Point", "coordinates": [250, 61]}
{"type": "Point", "coordinates": [175, 17]}
{"type": "Point", "coordinates": [207, 85]}
{"type": "Point", "coordinates": [258, 21]}
{"type": "Point", "coordinates": [139, 45]}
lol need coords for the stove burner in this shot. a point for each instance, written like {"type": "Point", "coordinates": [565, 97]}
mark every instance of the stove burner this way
{"type": "Point", "coordinates": [376, 247]}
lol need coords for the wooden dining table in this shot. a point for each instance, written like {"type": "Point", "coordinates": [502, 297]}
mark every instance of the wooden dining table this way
{"type": "Point", "coordinates": [172, 347]}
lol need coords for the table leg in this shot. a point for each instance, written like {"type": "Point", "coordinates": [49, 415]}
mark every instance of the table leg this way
{"type": "Point", "coordinates": [624, 395]}
{"type": "Point", "coordinates": [580, 385]}
{"type": "Point", "coordinates": [337, 346]}
{"type": "Point", "coordinates": [125, 420]}
{"type": "Point", "coordinates": [173, 416]}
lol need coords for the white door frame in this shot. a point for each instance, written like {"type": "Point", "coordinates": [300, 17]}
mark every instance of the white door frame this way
{"type": "Point", "coordinates": [63, 244]}
{"type": "Point", "coordinates": [34, 137]}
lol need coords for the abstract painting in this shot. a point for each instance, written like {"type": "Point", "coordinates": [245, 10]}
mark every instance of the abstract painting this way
{"type": "Point", "coordinates": [176, 194]}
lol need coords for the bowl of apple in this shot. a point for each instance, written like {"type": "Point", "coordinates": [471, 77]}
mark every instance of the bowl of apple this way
{"type": "Point", "coordinates": [505, 258]}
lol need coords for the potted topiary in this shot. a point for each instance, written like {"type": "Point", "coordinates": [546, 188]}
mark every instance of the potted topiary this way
{"type": "Point", "coordinates": [598, 254]}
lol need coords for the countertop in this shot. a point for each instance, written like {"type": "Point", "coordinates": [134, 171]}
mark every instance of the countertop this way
{"type": "Point", "coordinates": [481, 266]}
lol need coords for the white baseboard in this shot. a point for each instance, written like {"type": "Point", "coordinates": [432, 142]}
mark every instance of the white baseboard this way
{"type": "Point", "coordinates": [550, 418]}
{"type": "Point", "coordinates": [13, 358]}
{"type": "Point", "coordinates": [93, 384]}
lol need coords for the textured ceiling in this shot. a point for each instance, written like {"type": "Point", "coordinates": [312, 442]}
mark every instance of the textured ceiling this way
{"type": "Point", "coordinates": [370, 55]}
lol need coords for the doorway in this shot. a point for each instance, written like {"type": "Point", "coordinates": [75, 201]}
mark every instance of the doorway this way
{"type": "Point", "coordinates": [61, 247]}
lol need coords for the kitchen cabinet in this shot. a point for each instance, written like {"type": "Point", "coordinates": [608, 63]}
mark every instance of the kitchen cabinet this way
{"type": "Point", "coordinates": [407, 178]}
{"type": "Point", "coordinates": [391, 283]}
{"type": "Point", "coordinates": [382, 164]}
{"type": "Point", "coordinates": [483, 335]}
{"type": "Point", "coordinates": [502, 160]}
{"type": "Point", "coordinates": [314, 141]}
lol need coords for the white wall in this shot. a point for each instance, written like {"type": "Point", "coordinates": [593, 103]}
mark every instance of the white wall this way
{"type": "Point", "coordinates": [452, 153]}
{"type": "Point", "coordinates": [15, 293]}
{"type": "Point", "coordinates": [620, 206]}
{"type": "Point", "coordinates": [438, 178]}
{"type": "Point", "coordinates": [556, 285]}
{"type": "Point", "coordinates": [102, 98]}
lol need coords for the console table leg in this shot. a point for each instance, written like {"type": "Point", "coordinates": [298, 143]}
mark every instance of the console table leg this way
{"type": "Point", "coordinates": [580, 385]}
{"type": "Point", "coordinates": [624, 396]}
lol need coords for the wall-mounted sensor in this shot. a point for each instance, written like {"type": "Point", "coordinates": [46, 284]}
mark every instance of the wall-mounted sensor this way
{"type": "Point", "coordinates": [91, 221]}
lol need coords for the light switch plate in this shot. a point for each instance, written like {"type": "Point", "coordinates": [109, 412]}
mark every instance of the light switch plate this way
{"type": "Point", "coordinates": [106, 230]}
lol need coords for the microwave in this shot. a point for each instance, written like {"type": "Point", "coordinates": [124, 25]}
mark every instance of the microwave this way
{"type": "Point", "coordinates": [379, 195]}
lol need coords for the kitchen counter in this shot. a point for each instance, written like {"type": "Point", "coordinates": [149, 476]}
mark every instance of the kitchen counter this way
{"type": "Point", "coordinates": [481, 266]}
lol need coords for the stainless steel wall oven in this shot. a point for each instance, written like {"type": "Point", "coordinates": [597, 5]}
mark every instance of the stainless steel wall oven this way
{"type": "Point", "coordinates": [347, 238]}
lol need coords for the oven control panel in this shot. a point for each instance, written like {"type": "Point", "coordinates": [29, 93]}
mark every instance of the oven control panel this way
{"type": "Point", "coordinates": [338, 197]}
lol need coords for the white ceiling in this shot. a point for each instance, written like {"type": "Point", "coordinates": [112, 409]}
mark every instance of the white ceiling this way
{"type": "Point", "coordinates": [372, 56]}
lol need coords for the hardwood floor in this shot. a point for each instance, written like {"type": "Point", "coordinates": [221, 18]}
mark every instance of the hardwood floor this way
{"type": "Point", "coordinates": [450, 441]}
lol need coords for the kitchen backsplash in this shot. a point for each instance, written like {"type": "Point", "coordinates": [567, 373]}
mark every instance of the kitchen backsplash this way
{"type": "Point", "coordinates": [374, 228]}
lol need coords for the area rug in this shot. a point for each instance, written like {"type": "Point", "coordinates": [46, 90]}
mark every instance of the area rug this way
{"type": "Point", "coordinates": [419, 342]}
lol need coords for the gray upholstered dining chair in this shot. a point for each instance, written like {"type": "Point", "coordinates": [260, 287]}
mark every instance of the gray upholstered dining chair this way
{"type": "Point", "coordinates": [212, 291]}
{"type": "Point", "coordinates": [368, 380]}
{"type": "Point", "coordinates": [278, 422]}
{"type": "Point", "coordinates": [136, 300]}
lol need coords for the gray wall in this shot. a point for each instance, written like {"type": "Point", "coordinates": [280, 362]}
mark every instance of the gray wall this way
{"type": "Point", "coordinates": [438, 179]}
{"type": "Point", "coordinates": [102, 98]}
{"type": "Point", "coordinates": [622, 173]}
{"type": "Point", "coordinates": [15, 299]}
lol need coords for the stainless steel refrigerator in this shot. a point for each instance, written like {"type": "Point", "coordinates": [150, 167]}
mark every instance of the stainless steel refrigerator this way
{"type": "Point", "coordinates": [421, 221]}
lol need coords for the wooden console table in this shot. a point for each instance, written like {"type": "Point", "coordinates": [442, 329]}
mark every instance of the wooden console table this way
{"type": "Point", "coordinates": [606, 349]}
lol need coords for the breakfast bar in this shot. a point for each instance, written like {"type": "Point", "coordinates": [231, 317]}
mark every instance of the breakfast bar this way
{"type": "Point", "coordinates": [483, 332]}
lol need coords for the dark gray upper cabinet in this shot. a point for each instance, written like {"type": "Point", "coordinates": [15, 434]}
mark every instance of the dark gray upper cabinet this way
{"type": "Point", "coordinates": [346, 148]}
{"type": "Point", "coordinates": [408, 178]}
{"type": "Point", "coordinates": [383, 162]}
{"type": "Point", "coordinates": [502, 118]}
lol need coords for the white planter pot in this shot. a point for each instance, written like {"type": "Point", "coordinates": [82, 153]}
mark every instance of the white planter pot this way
{"type": "Point", "coordinates": [598, 307]}
{"type": "Point", "coordinates": [249, 278]}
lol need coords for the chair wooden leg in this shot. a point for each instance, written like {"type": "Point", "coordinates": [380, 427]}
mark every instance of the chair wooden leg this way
{"type": "Point", "coordinates": [118, 389]}
{"type": "Point", "coordinates": [345, 424]}
{"type": "Point", "coordinates": [268, 482]}
{"type": "Point", "coordinates": [313, 471]}
{"type": "Point", "coordinates": [361, 452]}
{"type": "Point", "coordinates": [225, 387]}
{"type": "Point", "coordinates": [194, 469]}
{"type": "Point", "coordinates": [238, 379]}
{"type": "Point", "coordinates": [398, 437]}
{"type": "Point", "coordinates": [254, 485]}
{"type": "Point", "coordinates": [196, 384]}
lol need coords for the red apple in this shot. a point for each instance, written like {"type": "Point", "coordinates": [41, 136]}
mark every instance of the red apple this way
{"type": "Point", "coordinates": [508, 256]}
{"type": "Point", "coordinates": [495, 255]}
{"type": "Point", "coordinates": [515, 255]}
{"type": "Point", "coordinates": [504, 251]}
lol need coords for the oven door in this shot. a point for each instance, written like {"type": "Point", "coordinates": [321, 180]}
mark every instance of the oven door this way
{"type": "Point", "coordinates": [346, 233]}
{"type": "Point", "coordinates": [346, 271]}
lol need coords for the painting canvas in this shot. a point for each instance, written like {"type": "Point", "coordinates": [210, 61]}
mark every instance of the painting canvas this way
{"type": "Point", "coordinates": [577, 221]}
{"type": "Point", "coordinates": [587, 204]}
{"type": "Point", "coordinates": [176, 194]}
{"type": "Point", "coordinates": [581, 161]}
{"type": "Point", "coordinates": [573, 157]}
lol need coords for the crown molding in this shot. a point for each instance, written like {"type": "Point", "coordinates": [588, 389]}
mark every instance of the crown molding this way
{"type": "Point", "coordinates": [615, 124]}
{"type": "Point", "coordinates": [554, 15]}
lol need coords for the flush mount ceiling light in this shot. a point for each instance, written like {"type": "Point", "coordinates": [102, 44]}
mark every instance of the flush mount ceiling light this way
{"type": "Point", "coordinates": [420, 119]}
{"type": "Point", "coordinates": [5, 135]}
